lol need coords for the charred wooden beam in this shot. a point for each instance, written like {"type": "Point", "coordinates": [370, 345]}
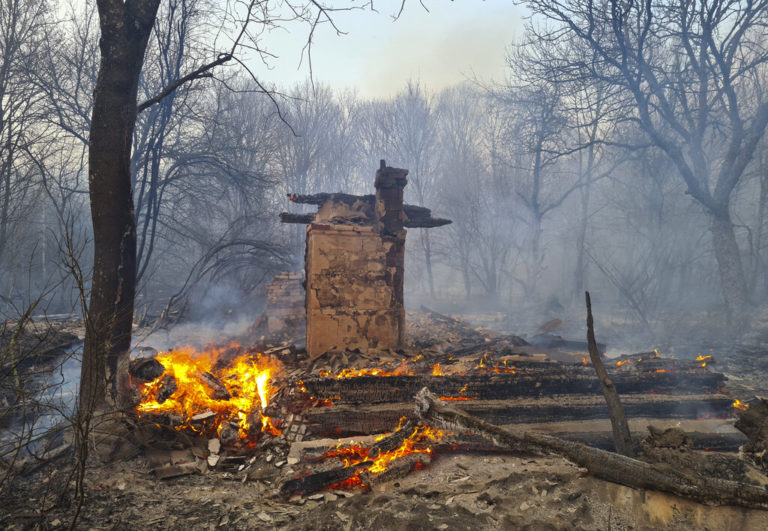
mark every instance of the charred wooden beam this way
{"type": "Point", "coordinates": [324, 197]}
{"type": "Point", "coordinates": [348, 421]}
{"type": "Point", "coordinates": [288, 217]}
{"type": "Point", "coordinates": [320, 480]}
{"type": "Point", "coordinates": [605, 465]}
{"type": "Point", "coordinates": [417, 216]}
{"type": "Point", "coordinates": [528, 381]}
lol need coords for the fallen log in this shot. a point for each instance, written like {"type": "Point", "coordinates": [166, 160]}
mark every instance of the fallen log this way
{"type": "Point", "coordinates": [314, 482]}
{"type": "Point", "coordinates": [353, 420]}
{"type": "Point", "coordinates": [605, 465]}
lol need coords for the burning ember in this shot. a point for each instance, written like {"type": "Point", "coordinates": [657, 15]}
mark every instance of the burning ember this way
{"type": "Point", "coordinates": [741, 406]}
{"type": "Point", "coordinates": [213, 388]}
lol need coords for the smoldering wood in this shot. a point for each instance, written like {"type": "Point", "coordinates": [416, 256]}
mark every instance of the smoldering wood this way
{"type": "Point", "coordinates": [416, 216]}
{"type": "Point", "coordinates": [300, 219]}
{"type": "Point", "coordinates": [220, 391]}
{"type": "Point", "coordinates": [348, 420]}
{"type": "Point", "coordinates": [529, 381]}
{"type": "Point", "coordinates": [396, 469]}
{"type": "Point", "coordinates": [622, 438]}
{"type": "Point", "coordinates": [320, 480]}
{"type": "Point", "coordinates": [753, 422]}
{"type": "Point", "coordinates": [392, 442]}
{"type": "Point", "coordinates": [167, 388]}
{"type": "Point", "coordinates": [605, 465]}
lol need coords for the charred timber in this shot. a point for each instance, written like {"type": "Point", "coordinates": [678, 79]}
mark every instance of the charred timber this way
{"type": "Point", "coordinates": [348, 421]}
{"type": "Point", "coordinates": [605, 465]}
{"type": "Point", "coordinates": [558, 380]}
{"type": "Point", "coordinates": [417, 216]}
{"type": "Point", "coordinates": [320, 480]}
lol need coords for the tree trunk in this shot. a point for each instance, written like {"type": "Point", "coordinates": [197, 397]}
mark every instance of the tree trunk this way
{"type": "Point", "coordinates": [732, 280]}
{"type": "Point", "coordinates": [581, 239]}
{"type": "Point", "coordinates": [125, 29]}
{"type": "Point", "coordinates": [426, 244]}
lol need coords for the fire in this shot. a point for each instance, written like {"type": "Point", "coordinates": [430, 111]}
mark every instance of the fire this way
{"type": "Point", "coordinates": [420, 435]}
{"type": "Point", "coordinates": [703, 359]}
{"type": "Point", "coordinates": [738, 404]}
{"type": "Point", "coordinates": [417, 442]}
{"type": "Point", "coordinates": [197, 382]}
{"type": "Point", "coordinates": [622, 362]}
{"type": "Point", "coordinates": [437, 370]}
{"type": "Point", "coordinates": [404, 369]}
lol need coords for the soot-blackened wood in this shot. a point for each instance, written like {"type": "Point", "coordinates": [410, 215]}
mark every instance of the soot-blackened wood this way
{"type": "Point", "coordinates": [396, 469]}
{"type": "Point", "coordinates": [531, 382]}
{"type": "Point", "coordinates": [605, 465]}
{"type": "Point", "coordinates": [392, 442]}
{"type": "Point", "coordinates": [315, 482]}
{"type": "Point", "coordinates": [348, 421]}
{"type": "Point", "coordinates": [622, 438]}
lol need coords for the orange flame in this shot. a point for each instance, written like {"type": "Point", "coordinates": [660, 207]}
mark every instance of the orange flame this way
{"type": "Point", "coordinates": [738, 404]}
{"type": "Point", "coordinates": [417, 442]}
{"type": "Point", "coordinates": [235, 391]}
{"type": "Point", "coordinates": [437, 370]}
{"type": "Point", "coordinates": [622, 362]}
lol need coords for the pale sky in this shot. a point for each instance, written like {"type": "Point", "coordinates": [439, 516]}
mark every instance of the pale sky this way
{"type": "Point", "coordinates": [453, 41]}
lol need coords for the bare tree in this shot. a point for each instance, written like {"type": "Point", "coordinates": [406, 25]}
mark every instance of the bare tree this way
{"type": "Point", "coordinates": [684, 68]}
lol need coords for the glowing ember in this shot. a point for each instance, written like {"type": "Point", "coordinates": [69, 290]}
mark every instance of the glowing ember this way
{"type": "Point", "coordinates": [622, 362]}
{"type": "Point", "coordinates": [236, 391]}
{"type": "Point", "coordinates": [385, 369]}
{"type": "Point", "coordinates": [738, 404]}
{"type": "Point", "coordinates": [417, 442]}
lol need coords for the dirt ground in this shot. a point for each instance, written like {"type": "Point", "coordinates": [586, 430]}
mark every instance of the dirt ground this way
{"type": "Point", "coordinates": [455, 492]}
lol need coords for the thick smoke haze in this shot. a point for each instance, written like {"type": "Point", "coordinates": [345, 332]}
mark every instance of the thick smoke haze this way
{"type": "Point", "coordinates": [556, 181]}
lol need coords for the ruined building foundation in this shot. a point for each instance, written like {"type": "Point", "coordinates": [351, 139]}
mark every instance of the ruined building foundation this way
{"type": "Point", "coordinates": [354, 265]}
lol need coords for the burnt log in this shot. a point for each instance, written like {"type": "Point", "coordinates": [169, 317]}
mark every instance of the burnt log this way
{"type": "Point", "coordinates": [605, 465]}
{"type": "Point", "coordinates": [321, 480]}
{"type": "Point", "coordinates": [347, 420]}
{"type": "Point", "coordinates": [530, 380]}
{"type": "Point", "coordinates": [753, 422]}
{"type": "Point", "coordinates": [289, 217]}
{"type": "Point", "coordinates": [167, 388]}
